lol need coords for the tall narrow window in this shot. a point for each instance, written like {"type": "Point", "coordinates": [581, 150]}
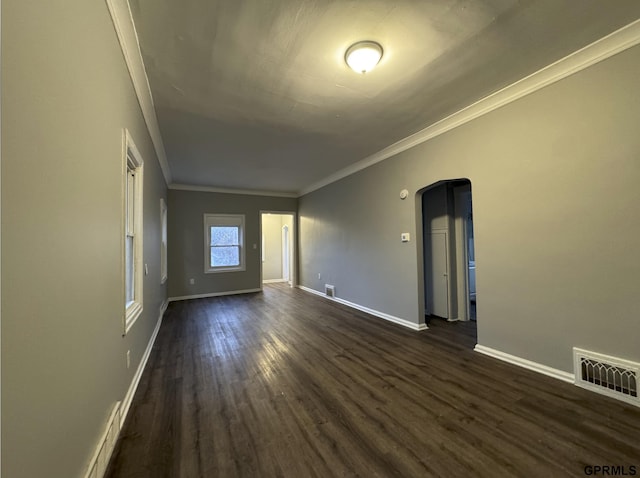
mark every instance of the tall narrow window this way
{"type": "Point", "coordinates": [133, 183]}
{"type": "Point", "coordinates": [224, 242]}
{"type": "Point", "coordinates": [130, 236]}
{"type": "Point", "coordinates": [163, 241]}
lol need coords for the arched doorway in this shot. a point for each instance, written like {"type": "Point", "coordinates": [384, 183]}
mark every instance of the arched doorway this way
{"type": "Point", "coordinates": [449, 251]}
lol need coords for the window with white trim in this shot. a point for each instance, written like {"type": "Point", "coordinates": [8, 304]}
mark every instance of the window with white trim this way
{"type": "Point", "coordinates": [163, 241]}
{"type": "Point", "coordinates": [133, 276]}
{"type": "Point", "coordinates": [224, 243]}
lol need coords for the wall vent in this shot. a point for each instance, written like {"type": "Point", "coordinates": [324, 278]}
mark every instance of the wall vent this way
{"type": "Point", "coordinates": [607, 375]}
{"type": "Point", "coordinates": [330, 290]}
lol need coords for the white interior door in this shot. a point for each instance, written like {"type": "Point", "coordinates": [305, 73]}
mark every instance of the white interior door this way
{"type": "Point", "coordinates": [439, 275]}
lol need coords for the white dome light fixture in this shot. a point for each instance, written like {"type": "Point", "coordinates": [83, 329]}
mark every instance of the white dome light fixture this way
{"type": "Point", "coordinates": [363, 56]}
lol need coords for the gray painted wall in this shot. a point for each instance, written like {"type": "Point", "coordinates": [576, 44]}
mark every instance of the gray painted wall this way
{"type": "Point", "coordinates": [186, 239]}
{"type": "Point", "coordinates": [66, 96]}
{"type": "Point", "coordinates": [555, 201]}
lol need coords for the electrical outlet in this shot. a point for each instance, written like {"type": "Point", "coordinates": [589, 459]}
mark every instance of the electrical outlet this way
{"type": "Point", "coordinates": [192, 281]}
{"type": "Point", "coordinates": [128, 358]}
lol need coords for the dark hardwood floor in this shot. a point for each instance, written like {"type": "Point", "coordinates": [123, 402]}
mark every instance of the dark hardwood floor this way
{"type": "Point", "coordinates": [287, 384]}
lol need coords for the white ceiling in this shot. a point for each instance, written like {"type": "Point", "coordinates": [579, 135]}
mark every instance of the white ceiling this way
{"type": "Point", "coordinates": [255, 94]}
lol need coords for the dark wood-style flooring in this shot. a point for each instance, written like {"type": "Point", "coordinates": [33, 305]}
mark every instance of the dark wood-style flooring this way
{"type": "Point", "coordinates": [287, 384]}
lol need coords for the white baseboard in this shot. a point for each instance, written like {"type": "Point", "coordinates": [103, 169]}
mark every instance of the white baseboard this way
{"type": "Point", "coordinates": [376, 313]}
{"type": "Point", "coordinates": [213, 294]}
{"type": "Point", "coordinates": [126, 403]}
{"type": "Point", "coordinates": [98, 464]}
{"type": "Point", "coordinates": [524, 363]}
{"type": "Point", "coordinates": [273, 281]}
{"type": "Point", "coordinates": [107, 443]}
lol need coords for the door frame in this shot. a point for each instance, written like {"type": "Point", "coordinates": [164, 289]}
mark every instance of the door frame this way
{"type": "Point", "coordinates": [462, 251]}
{"type": "Point", "coordinates": [422, 232]}
{"type": "Point", "coordinates": [293, 236]}
{"type": "Point", "coordinates": [286, 254]}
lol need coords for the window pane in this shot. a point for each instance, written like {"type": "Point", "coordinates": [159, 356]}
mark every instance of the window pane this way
{"type": "Point", "coordinates": [163, 240]}
{"type": "Point", "coordinates": [129, 269]}
{"type": "Point", "coordinates": [130, 199]}
{"type": "Point", "coordinates": [225, 256]}
{"type": "Point", "coordinates": [224, 235]}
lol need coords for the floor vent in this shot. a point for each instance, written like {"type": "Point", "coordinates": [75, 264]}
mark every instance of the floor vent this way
{"type": "Point", "coordinates": [330, 290]}
{"type": "Point", "coordinates": [608, 375]}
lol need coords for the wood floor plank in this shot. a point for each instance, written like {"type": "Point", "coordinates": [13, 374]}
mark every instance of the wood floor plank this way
{"type": "Point", "coordinates": [286, 384]}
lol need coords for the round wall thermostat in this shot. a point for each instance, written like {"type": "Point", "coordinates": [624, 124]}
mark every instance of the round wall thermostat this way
{"type": "Point", "coordinates": [404, 194]}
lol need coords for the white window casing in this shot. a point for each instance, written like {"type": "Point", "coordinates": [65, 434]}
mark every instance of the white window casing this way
{"type": "Point", "coordinates": [224, 249]}
{"type": "Point", "coordinates": [133, 232]}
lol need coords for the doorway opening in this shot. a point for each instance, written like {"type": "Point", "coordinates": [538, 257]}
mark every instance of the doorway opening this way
{"type": "Point", "coordinates": [449, 252]}
{"type": "Point", "coordinates": [278, 244]}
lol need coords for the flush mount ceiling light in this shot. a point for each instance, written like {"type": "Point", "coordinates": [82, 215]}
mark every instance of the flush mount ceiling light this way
{"type": "Point", "coordinates": [363, 56]}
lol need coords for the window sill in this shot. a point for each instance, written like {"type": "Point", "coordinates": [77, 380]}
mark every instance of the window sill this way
{"type": "Point", "coordinates": [225, 269]}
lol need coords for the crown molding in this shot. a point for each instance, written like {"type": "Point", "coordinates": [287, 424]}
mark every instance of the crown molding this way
{"type": "Point", "coordinates": [128, 38]}
{"type": "Point", "coordinates": [616, 42]}
{"type": "Point", "coordinates": [250, 192]}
